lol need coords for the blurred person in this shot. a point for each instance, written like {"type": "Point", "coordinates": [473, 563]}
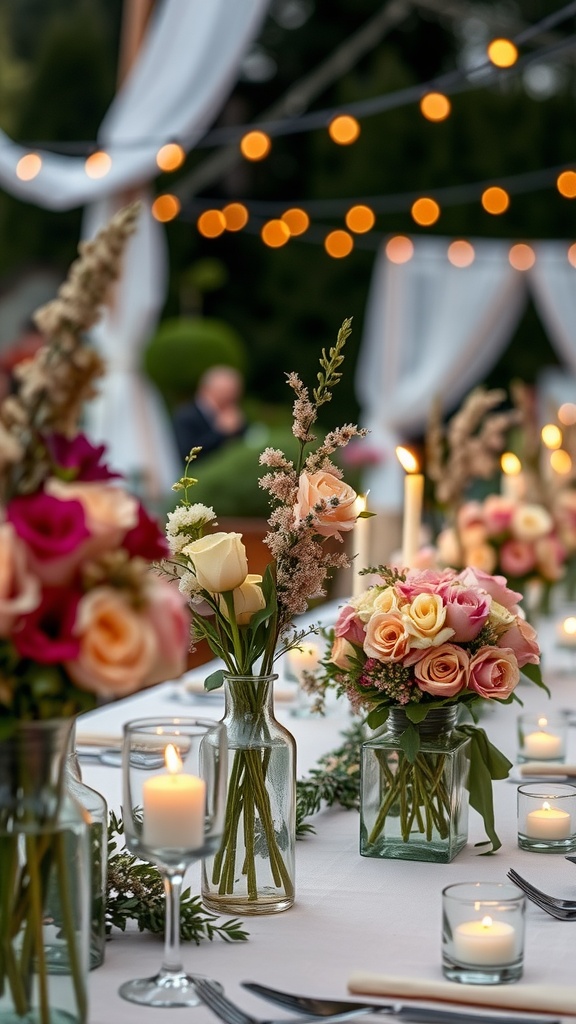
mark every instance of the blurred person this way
{"type": "Point", "coordinates": [214, 415]}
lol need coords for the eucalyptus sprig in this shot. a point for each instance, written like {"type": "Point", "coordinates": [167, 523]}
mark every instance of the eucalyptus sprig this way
{"type": "Point", "coordinates": [135, 892]}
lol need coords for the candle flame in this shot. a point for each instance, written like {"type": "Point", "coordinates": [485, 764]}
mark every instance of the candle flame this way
{"type": "Point", "coordinates": [407, 460]}
{"type": "Point", "coordinates": [172, 759]}
{"type": "Point", "coordinates": [510, 464]}
{"type": "Point", "coordinates": [542, 722]}
{"type": "Point", "coordinates": [361, 503]}
{"type": "Point", "coordinates": [570, 625]}
{"type": "Point", "coordinates": [546, 806]}
{"type": "Point", "coordinates": [487, 921]}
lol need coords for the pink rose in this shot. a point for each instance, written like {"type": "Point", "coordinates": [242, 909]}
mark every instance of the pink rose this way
{"type": "Point", "coordinates": [168, 616]}
{"type": "Point", "coordinates": [19, 589]}
{"type": "Point", "coordinates": [550, 558]}
{"type": "Point", "coordinates": [117, 648]}
{"type": "Point", "coordinates": [498, 512]}
{"type": "Point", "coordinates": [424, 581]}
{"type": "Point", "coordinates": [47, 634]}
{"type": "Point", "coordinates": [521, 638]}
{"type": "Point", "coordinates": [329, 502]}
{"type": "Point", "coordinates": [342, 653]}
{"type": "Point", "coordinates": [54, 532]}
{"type": "Point", "coordinates": [386, 637]}
{"type": "Point", "coordinates": [349, 626]}
{"type": "Point", "coordinates": [495, 586]}
{"type": "Point", "coordinates": [517, 557]}
{"type": "Point", "coordinates": [494, 672]}
{"type": "Point", "coordinates": [470, 514]}
{"type": "Point", "coordinates": [443, 671]}
{"type": "Point", "coordinates": [467, 609]}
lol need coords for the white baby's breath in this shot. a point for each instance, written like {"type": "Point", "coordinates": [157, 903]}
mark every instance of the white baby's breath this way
{"type": "Point", "coordinates": [185, 523]}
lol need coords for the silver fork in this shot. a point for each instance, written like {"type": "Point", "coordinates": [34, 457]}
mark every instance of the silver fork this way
{"type": "Point", "coordinates": [232, 1014]}
{"type": "Point", "coordinates": [561, 909]}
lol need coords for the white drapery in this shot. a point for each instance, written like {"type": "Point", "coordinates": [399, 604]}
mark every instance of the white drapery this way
{"type": "Point", "coordinates": [186, 66]}
{"type": "Point", "coordinates": [432, 331]}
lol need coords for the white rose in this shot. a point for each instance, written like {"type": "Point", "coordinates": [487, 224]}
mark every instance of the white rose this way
{"type": "Point", "coordinates": [248, 599]}
{"type": "Point", "coordinates": [219, 561]}
{"type": "Point", "coordinates": [530, 522]}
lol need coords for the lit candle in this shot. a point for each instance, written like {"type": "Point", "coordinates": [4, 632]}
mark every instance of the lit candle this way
{"type": "Point", "coordinates": [174, 807]}
{"type": "Point", "coordinates": [413, 495]}
{"type": "Point", "coordinates": [548, 823]}
{"type": "Point", "coordinates": [542, 745]}
{"type": "Point", "coordinates": [305, 658]}
{"type": "Point", "coordinates": [485, 942]}
{"type": "Point", "coordinates": [361, 546]}
{"type": "Point", "coordinates": [566, 631]}
{"type": "Point", "coordinates": [512, 482]}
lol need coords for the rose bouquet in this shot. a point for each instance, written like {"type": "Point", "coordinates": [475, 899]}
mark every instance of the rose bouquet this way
{"type": "Point", "coordinates": [82, 614]}
{"type": "Point", "coordinates": [247, 619]}
{"type": "Point", "coordinates": [424, 640]}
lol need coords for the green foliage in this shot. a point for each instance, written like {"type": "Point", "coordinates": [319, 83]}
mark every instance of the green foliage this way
{"type": "Point", "coordinates": [136, 893]}
{"type": "Point", "coordinates": [183, 348]}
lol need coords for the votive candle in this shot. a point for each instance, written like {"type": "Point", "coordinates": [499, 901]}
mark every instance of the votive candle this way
{"type": "Point", "coordinates": [485, 942]}
{"type": "Point", "coordinates": [174, 807]}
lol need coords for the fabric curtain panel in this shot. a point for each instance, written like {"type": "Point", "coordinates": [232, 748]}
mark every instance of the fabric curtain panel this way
{"type": "Point", "coordinates": [186, 67]}
{"type": "Point", "coordinates": [553, 285]}
{"type": "Point", "coordinates": [432, 331]}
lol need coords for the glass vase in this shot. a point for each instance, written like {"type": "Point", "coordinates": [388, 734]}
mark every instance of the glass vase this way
{"type": "Point", "coordinates": [415, 809]}
{"type": "Point", "coordinates": [45, 881]}
{"type": "Point", "coordinates": [252, 872]}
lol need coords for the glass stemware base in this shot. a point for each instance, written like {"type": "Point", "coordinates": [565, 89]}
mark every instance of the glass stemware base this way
{"type": "Point", "coordinates": [167, 988]}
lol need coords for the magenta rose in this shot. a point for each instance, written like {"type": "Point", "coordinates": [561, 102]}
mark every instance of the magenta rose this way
{"type": "Point", "coordinates": [349, 626]}
{"type": "Point", "coordinates": [495, 586]}
{"type": "Point", "coordinates": [146, 539]}
{"type": "Point", "coordinates": [79, 459]}
{"type": "Point", "coordinates": [494, 672]}
{"type": "Point", "coordinates": [443, 671]}
{"type": "Point", "coordinates": [467, 610]}
{"type": "Point", "coordinates": [47, 635]}
{"type": "Point", "coordinates": [521, 638]}
{"type": "Point", "coordinates": [517, 557]}
{"type": "Point", "coordinates": [54, 533]}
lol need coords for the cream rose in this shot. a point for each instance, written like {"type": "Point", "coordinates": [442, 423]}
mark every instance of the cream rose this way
{"type": "Point", "coordinates": [219, 561]}
{"type": "Point", "coordinates": [443, 671]}
{"type": "Point", "coordinates": [424, 620]}
{"type": "Point", "coordinates": [118, 649]}
{"type": "Point", "coordinates": [530, 522]}
{"type": "Point", "coordinates": [19, 588]}
{"type": "Point", "coordinates": [386, 600]}
{"type": "Point", "coordinates": [342, 652]}
{"type": "Point", "coordinates": [337, 501]}
{"type": "Point", "coordinates": [248, 599]}
{"type": "Point", "coordinates": [364, 604]}
{"type": "Point", "coordinates": [500, 618]}
{"type": "Point", "coordinates": [386, 637]}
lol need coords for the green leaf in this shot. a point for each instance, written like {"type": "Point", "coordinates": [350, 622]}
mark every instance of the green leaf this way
{"type": "Point", "coordinates": [377, 717]}
{"type": "Point", "coordinates": [534, 674]}
{"type": "Point", "coordinates": [486, 763]}
{"type": "Point", "coordinates": [409, 741]}
{"type": "Point", "coordinates": [214, 680]}
{"type": "Point", "coordinates": [416, 712]}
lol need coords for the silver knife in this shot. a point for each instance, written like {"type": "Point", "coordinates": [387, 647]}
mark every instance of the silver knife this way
{"type": "Point", "coordinates": [404, 1011]}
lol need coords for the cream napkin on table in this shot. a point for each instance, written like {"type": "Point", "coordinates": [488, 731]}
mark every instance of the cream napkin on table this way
{"type": "Point", "coordinates": [551, 999]}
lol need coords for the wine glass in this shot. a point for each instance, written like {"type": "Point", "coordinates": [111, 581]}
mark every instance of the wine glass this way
{"type": "Point", "coordinates": [174, 788]}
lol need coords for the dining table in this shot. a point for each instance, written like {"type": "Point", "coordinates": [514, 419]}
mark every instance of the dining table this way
{"type": "Point", "coordinates": [351, 913]}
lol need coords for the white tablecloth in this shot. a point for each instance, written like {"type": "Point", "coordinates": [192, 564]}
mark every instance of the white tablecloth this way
{"type": "Point", "coordinates": [351, 912]}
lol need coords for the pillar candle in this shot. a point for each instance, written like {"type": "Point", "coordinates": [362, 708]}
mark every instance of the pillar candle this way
{"type": "Point", "coordinates": [174, 810]}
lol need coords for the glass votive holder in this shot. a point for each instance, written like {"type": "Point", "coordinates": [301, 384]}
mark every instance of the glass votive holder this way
{"type": "Point", "coordinates": [542, 737]}
{"type": "Point", "coordinates": [547, 817]}
{"type": "Point", "coordinates": [483, 932]}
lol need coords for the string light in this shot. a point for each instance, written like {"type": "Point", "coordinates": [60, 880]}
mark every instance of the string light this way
{"type": "Point", "coordinates": [567, 414]}
{"type": "Point", "coordinates": [275, 233]}
{"type": "Point", "coordinates": [521, 256]}
{"type": "Point", "coordinates": [461, 253]}
{"type": "Point", "coordinates": [170, 157]}
{"type": "Point", "coordinates": [28, 166]}
{"type": "Point", "coordinates": [425, 211]}
{"type": "Point", "coordinates": [561, 462]}
{"type": "Point", "coordinates": [98, 164]}
{"type": "Point", "coordinates": [165, 208]}
{"type": "Point", "coordinates": [502, 53]}
{"type": "Point", "coordinates": [255, 145]}
{"type": "Point", "coordinates": [360, 219]}
{"type": "Point", "coordinates": [235, 216]}
{"type": "Point", "coordinates": [211, 223]}
{"type": "Point", "coordinates": [344, 129]}
{"type": "Point", "coordinates": [338, 244]}
{"type": "Point", "coordinates": [551, 436]}
{"type": "Point", "coordinates": [510, 464]}
{"type": "Point", "coordinates": [495, 200]}
{"type": "Point", "coordinates": [296, 220]}
{"type": "Point", "coordinates": [435, 106]}
{"type": "Point", "coordinates": [399, 249]}
{"type": "Point", "coordinates": [566, 184]}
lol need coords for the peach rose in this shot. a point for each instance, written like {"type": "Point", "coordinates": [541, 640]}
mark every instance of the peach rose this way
{"type": "Point", "coordinates": [386, 637]}
{"type": "Point", "coordinates": [330, 502]}
{"type": "Point", "coordinates": [118, 649]}
{"type": "Point", "coordinates": [521, 638]}
{"type": "Point", "coordinates": [494, 672]}
{"type": "Point", "coordinates": [424, 620]}
{"type": "Point", "coordinates": [342, 653]}
{"type": "Point", "coordinates": [443, 671]}
{"type": "Point", "coordinates": [550, 557]}
{"type": "Point", "coordinates": [483, 556]}
{"type": "Point", "coordinates": [219, 561]}
{"type": "Point", "coordinates": [248, 599]}
{"type": "Point", "coordinates": [109, 510]}
{"type": "Point", "coordinates": [19, 589]}
{"type": "Point", "coordinates": [386, 600]}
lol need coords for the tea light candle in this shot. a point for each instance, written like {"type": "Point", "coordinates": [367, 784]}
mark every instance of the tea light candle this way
{"type": "Point", "coordinates": [174, 807]}
{"type": "Point", "coordinates": [303, 659]}
{"type": "Point", "coordinates": [548, 823]}
{"type": "Point", "coordinates": [542, 745]}
{"type": "Point", "coordinates": [413, 496]}
{"type": "Point", "coordinates": [566, 631]}
{"type": "Point", "coordinates": [485, 942]}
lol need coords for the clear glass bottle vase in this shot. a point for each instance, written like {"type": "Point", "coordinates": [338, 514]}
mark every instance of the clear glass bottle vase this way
{"type": "Point", "coordinates": [252, 872]}
{"type": "Point", "coordinates": [45, 874]}
{"type": "Point", "coordinates": [415, 809]}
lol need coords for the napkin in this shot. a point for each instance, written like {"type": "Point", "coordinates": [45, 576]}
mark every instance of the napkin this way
{"type": "Point", "coordinates": [551, 999]}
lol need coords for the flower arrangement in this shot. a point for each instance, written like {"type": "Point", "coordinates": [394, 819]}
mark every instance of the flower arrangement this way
{"type": "Point", "coordinates": [246, 619]}
{"type": "Point", "coordinates": [421, 640]}
{"type": "Point", "coordinates": [82, 614]}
